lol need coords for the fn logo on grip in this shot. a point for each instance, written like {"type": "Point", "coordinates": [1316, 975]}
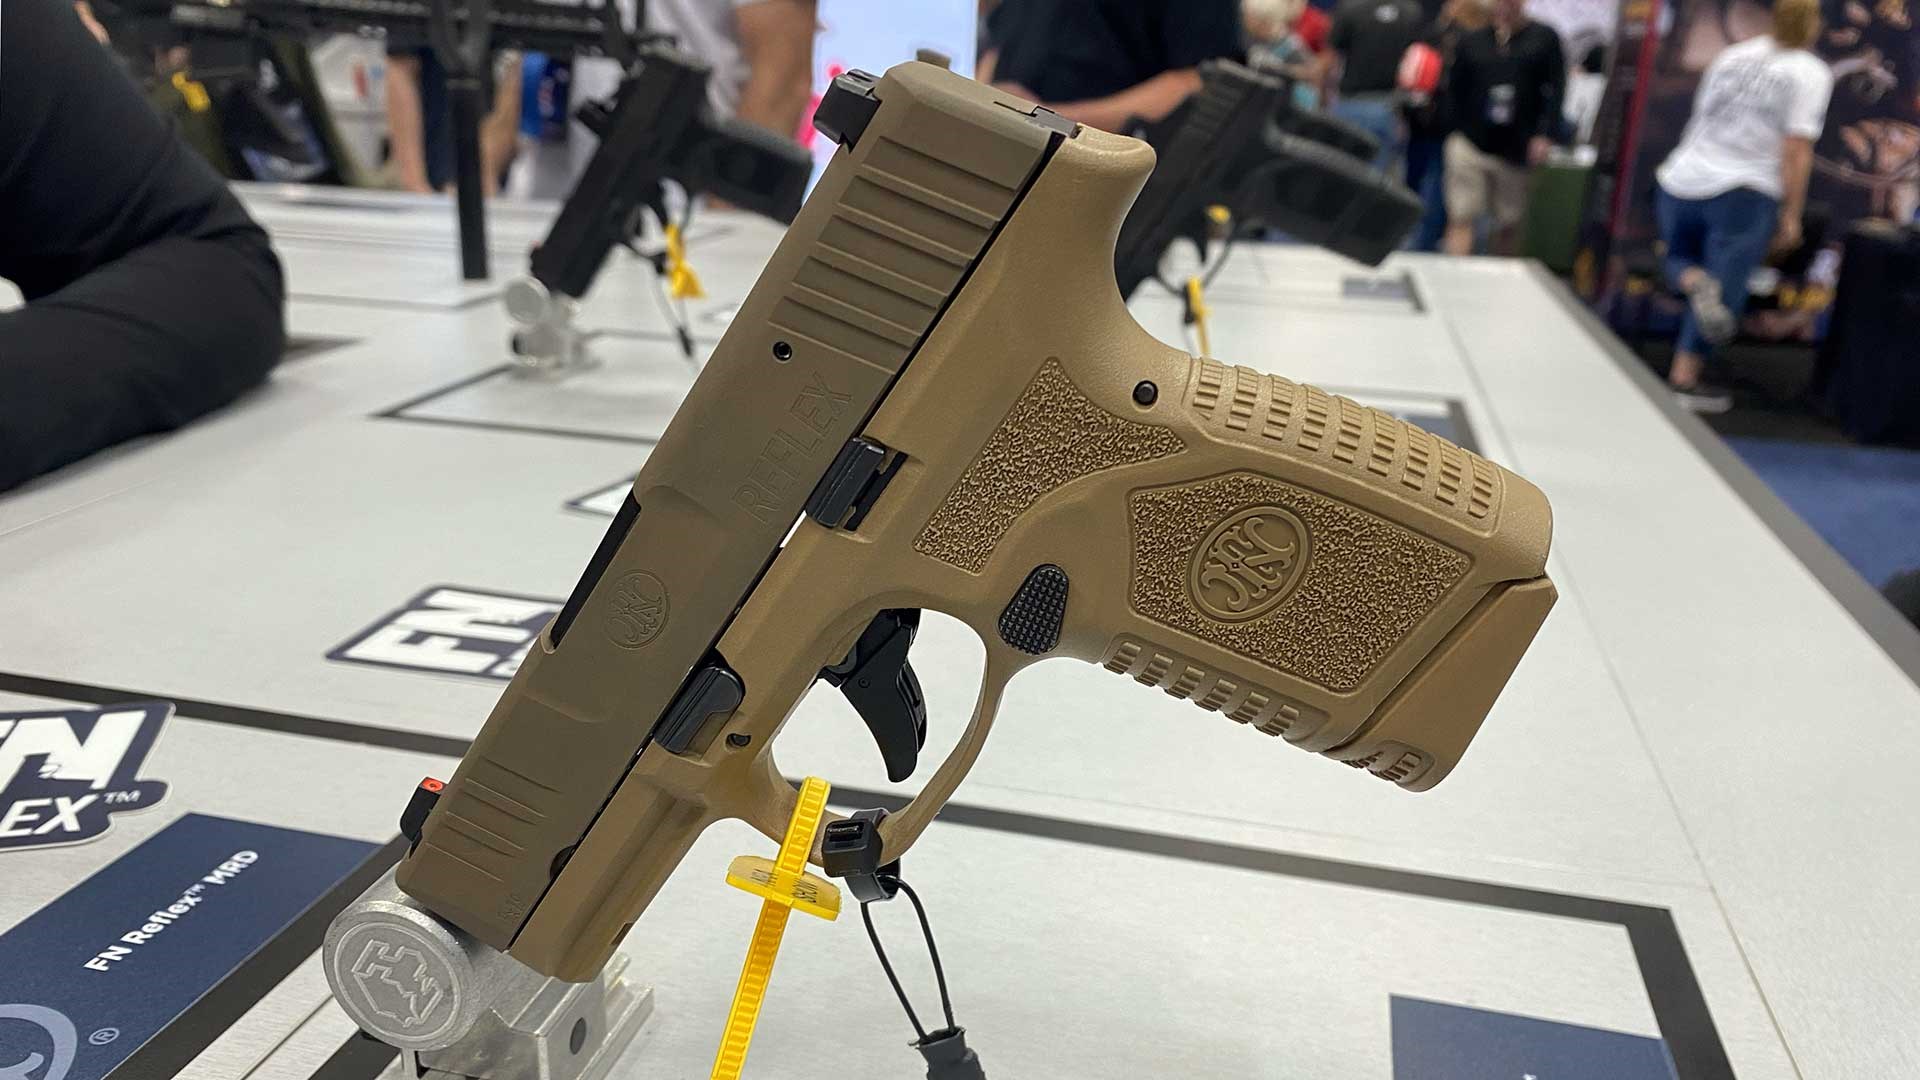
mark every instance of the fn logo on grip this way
{"type": "Point", "coordinates": [778, 469]}
{"type": "Point", "coordinates": [1248, 564]}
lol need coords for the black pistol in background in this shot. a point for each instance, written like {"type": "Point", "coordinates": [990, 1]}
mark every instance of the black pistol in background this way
{"type": "Point", "coordinates": [1318, 125]}
{"type": "Point", "coordinates": [1230, 145]}
{"type": "Point", "coordinates": [657, 127]}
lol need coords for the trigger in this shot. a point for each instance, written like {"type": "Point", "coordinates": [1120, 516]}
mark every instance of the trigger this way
{"type": "Point", "coordinates": [882, 688]}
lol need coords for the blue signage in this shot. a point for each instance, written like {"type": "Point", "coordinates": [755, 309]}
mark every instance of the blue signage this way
{"type": "Point", "coordinates": [63, 772]}
{"type": "Point", "coordinates": [1436, 1041]}
{"type": "Point", "coordinates": [86, 980]}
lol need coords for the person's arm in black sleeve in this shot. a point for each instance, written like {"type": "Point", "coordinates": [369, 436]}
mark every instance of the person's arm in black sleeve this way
{"type": "Point", "coordinates": [1553, 92]}
{"type": "Point", "coordinates": [1459, 94]}
{"type": "Point", "coordinates": [1197, 30]}
{"type": "Point", "coordinates": [992, 36]}
{"type": "Point", "coordinates": [152, 298]}
{"type": "Point", "coordinates": [1193, 31]}
{"type": "Point", "coordinates": [1435, 38]}
{"type": "Point", "coordinates": [1005, 44]}
{"type": "Point", "coordinates": [1339, 43]}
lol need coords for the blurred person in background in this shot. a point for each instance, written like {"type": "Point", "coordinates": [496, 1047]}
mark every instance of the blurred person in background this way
{"type": "Point", "coordinates": [1586, 91]}
{"type": "Point", "coordinates": [1428, 120]}
{"type": "Point", "coordinates": [420, 119]}
{"type": "Point", "coordinates": [151, 297]}
{"type": "Point", "coordinates": [1107, 63]}
{"type": "Point", "coordinates": [1503, 91]}
{"type": "Point", "coordinates": [1737, 183]}
{"type": "Point", "coordinates": [1369, 38]}
{"type": "Point", "coordinates": [761, 52]}
{"type": "Point", "coordinates": [1289, 37]}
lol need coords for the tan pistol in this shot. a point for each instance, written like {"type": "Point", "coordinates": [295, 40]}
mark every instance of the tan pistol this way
{"type": "Point", "coordinates": [936, 377]}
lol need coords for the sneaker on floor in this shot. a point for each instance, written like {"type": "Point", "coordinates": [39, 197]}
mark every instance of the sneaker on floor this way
{"type": "Point", "coordinates": [1710, 313]}
{"type": "Point", "coordinates": [1703, 397]}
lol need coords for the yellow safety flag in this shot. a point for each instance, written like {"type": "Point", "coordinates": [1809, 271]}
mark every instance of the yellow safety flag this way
{"type": "Point", "coordinates": [783, 884]}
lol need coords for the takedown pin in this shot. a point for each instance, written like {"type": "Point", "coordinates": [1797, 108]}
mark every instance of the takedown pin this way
{"type": "Point", "coordinates": [785, 886]}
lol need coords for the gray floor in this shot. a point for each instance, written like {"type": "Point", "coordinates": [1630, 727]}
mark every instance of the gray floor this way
{"type": "Point", "coordinates": [1695, 777]}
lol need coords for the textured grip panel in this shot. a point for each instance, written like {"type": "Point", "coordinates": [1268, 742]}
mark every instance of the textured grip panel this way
{"type": "Point", "coordinates": [1286, 577]}
{"type": "Point", "coordinates": [1256, 706]}
{"type": "Point", "coordinates": [1396, 764]}
{"type": "Point", "coordinates": [1053, 434]}
{"type": "Point", "coordinates": [1345, 435]}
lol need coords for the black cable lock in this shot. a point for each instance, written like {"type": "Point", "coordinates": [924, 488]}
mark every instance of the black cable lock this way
{"type": "Point", "coordinates": [850, 850]}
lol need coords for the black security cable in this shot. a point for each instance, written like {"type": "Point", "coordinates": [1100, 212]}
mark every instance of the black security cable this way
{"type": "Point", "coordinates": [1207, 272]}
{"type": "Point", "coordinates": [945, 1051]}
{"type": "Point", "coordinates": [1226, 249]}
{"type": "Point", "coordinates": [683, 325]}
{"type": "Point", "coordinates": [675, 316]}
{"type": "Point", "coordinates": [933, 951]}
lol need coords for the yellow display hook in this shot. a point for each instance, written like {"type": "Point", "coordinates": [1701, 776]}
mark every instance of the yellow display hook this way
{"type": "Point", "coordinates": [682, 282]}
{"type": "Point", "coordinates": [192, 92]}
{"type": "Point", "coordinates": [784, 885]}
{"type": "Point", "coordinates": [1197, 307]}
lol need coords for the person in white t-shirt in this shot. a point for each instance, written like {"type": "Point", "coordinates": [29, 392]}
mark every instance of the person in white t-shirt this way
{"type": "Point", "coordinates": [1737, 183]}
{"type": "Point", "coordinates": [761, 52]}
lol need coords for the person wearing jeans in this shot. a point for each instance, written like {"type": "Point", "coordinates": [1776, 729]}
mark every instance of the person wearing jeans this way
{"type": "Point", "coordinates": [1503, 92]}
{"type": "Point", "coordinates": [1738, 181]}
{"type": "Point", "coordinates": [1428, 122]}
{"type": "Point", "coordinates": [1712, 245]}
{"type": "Point", "coordinates": [1369, 37]}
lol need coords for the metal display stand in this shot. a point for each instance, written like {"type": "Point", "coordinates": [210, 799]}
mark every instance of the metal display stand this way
{"type": "Point", "coordinates": [459, 1010]}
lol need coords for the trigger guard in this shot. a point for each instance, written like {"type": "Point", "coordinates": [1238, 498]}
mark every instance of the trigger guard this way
{"type": "Point", "coordinates": [902, 827]}
{"type": "Point", "coordinates": [772, 799]}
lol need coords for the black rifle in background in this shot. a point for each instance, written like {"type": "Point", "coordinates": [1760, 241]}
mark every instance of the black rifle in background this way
{"type": "Point", "coordinates": [561, 30]}
{"type": "Point", "coordinates": [227, 34]}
